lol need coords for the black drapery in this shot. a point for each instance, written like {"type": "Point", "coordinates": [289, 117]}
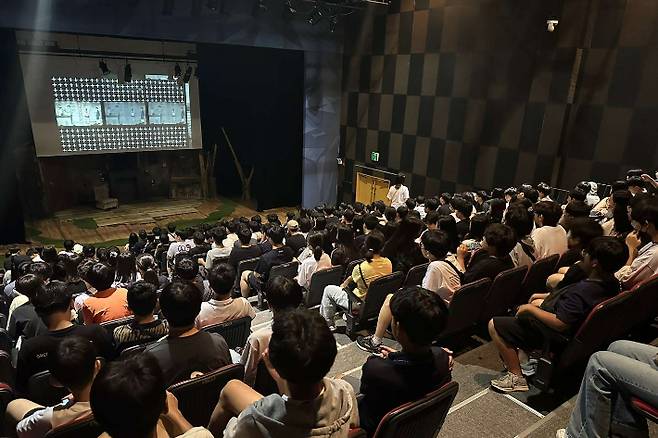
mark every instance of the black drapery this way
{"type": "Point", "coordinates": [12, 134]}
{"type": "Point", "coordinates": [257, 95]}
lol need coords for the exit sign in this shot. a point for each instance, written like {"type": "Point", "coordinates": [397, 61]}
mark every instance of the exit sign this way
{"type": "Point", "coordinates": [374, 156]}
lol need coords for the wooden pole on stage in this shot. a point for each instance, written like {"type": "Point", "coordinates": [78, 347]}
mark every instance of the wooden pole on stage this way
{"type": "Point", "coordinates": [246, 181]}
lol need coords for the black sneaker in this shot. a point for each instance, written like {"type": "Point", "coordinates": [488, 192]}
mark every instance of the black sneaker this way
{"type": "Point", "coordinates": [365, 343]}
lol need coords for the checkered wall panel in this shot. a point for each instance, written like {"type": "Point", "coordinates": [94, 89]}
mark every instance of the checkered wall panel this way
{"type": "Point", "coordinates": [463, 94]}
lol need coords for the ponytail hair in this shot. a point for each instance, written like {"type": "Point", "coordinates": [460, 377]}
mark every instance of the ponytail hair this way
{"type": "Point", "coordinates": [146, 264]}
{"type": "Point", "coordinates": [373, 245]}
{"type": "Point", "coordinates": [315, 241]}
{"type": "Point", "coordinates": [317, 253]}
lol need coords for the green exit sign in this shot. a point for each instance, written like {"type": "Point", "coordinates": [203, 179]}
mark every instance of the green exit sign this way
{"type": "Point", "coordinates": [374, 156]}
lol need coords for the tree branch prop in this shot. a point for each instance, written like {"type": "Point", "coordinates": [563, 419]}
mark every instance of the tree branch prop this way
{"type": "Point", "coordinates": [246, 181]}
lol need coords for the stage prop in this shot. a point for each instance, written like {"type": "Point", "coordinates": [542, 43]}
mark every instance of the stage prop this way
{"type": "Point", "coordinates": [245, 180]}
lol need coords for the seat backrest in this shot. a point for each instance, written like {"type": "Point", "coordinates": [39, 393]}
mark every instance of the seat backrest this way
{"type": "Point", "coordinates": [131, 351]}
{"type": "Point", "coordinates": [245, 265]}
{"type": "Point", "coordinates": [377, 292]}
{"type": "Point", "coordinates": [5, 340]}
{"type": "Point", "coordinates": [7, 371]}
{"type": "Point", "coordinates": [219, 260]}
{"type": "Point", "coordinates": [264, 383]}
{"type": "Point", "coordinates": [41, 391]}
{"type": "Point", "coordinates": [320, 280]}
{"type": "Point", "coordinates": [420, 418]}
{"type": "Point", "coordinates": [351, 266]}
{"type": "Point", "coordinates": [111, 325]}
{"type": "Point", "coordinates": [535, 279]}
{"type": "Point", "coordinates": [83, 427]}
{"type": "Point", "coordinates": [644, 301]}
{"type": "Point", "coordinates": [235, 332]}
{"type": "Point", "coordinates": [608, 321]}
{"type": "Point", "coordinates": [466, 307]}
{"type": "Point", "coordinates": [415, 275]}
{"type": "Point", "coordinates": [287, 270]}
{"type": "Point", "coordinates": [503, 292]}
{"type": "Point", "coordinates": [197, 397]}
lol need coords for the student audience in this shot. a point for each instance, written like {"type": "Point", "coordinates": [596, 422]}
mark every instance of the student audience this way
{"type": "Point", "coordinates": [142, 300]}
{"type": "Point", "coordinates": [549, 237]}
{"type": "Point", "coordinates": [186, 350]}
{"type": "Point", "coordinates": [222, 307]}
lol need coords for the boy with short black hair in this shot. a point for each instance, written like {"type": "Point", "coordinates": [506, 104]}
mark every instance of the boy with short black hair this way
{"type": "Point", "coordinates": [221, 307]}
{"type": "Point", "coordinates": [73, 365]}
{"type": "Point", "coordinates": [142, 299]}
{"type": "Point", "coordinates": [395, 378]}
{"type": "Point", "coordinates": [493, 258]}
{"type": "Point", "coordinates": [186, 350]}
{"type": "Point", "coordinates": [562, 311]}
{"type": "Point", "coordinates": [108, 303]}
{"type": "Point", "coordinates": [128, 398]}
{"type": "Point", "coordinates": [301, 352]}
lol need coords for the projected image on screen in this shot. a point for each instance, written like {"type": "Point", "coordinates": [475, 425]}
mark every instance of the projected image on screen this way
{"type": "Point", "coordinates": [100, 114]}
{"type": "Point", "coordinates": [125, 113]}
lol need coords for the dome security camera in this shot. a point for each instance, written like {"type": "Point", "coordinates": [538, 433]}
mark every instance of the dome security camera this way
{"type": "Point", "coordinates": [551, 25]}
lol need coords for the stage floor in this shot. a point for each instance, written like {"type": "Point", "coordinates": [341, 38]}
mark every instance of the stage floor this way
{"type": "Point", "coordinates": [112, 227]}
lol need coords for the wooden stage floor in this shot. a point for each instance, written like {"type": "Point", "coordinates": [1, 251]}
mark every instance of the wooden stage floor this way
{"type": "Point", "coordinates": [90, 225]}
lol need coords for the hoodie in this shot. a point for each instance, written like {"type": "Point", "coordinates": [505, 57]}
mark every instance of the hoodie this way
{"type": "Point", "coordinates": [330, 415]}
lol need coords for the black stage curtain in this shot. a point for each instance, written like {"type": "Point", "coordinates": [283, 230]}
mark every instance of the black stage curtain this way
{"type": "Point", "coordinates": [12, 133]}
{"type": "Point", "coordinates": [257, 95]}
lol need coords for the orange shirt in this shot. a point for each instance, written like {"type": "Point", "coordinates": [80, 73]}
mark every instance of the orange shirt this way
{"type": "Point", "coordinates": [106, 305]}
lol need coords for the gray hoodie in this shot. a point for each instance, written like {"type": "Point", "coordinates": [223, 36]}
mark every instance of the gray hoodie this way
{"type": "Point", "coordinates": [331, 415]}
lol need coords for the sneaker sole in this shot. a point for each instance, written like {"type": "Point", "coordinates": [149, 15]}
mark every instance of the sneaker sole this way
{"type": "Point", "coordinates": [367, 350]}
{"type": "Point", "coordinates": [508, 390]}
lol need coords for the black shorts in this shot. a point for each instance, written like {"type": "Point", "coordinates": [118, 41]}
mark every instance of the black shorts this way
{"type": "Point", "coordinates": [255, 282]}
{"type": "Point", "coordinates": [523, 333]}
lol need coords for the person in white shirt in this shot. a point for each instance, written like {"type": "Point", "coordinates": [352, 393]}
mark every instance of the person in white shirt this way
{"type": "Point", "coordinates": [221, 307]}
{"type": "Point", "coordinates": [420, 206]}
{"type": "Point", "coordinates": [218, 249]}
{"type": "Point", "coordinates": [549, 237]}
{"type": "Point", "coordinates": [592, 197]}
{"type": "Point", "coordinates": [544, 191]}
{"type": "Point", "coordinates": [316, 262]}
{"type": "Point", "coordinates": [398, 193]}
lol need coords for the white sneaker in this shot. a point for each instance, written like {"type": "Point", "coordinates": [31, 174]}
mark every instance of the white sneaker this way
{"type": "Point", "coordinates": [561, 433]}
{"type": "Point", "coordinates": [529, 368]}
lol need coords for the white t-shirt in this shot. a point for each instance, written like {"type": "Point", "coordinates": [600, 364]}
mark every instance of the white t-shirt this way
{"type": "Point", "coordinates": [442, 279]}
{"type": "Point", "coordinates": [398, 196]}
{"type": "Point", "coordinates": [549, 241]}
{"type": "Point", "coordinates": [309, 267]}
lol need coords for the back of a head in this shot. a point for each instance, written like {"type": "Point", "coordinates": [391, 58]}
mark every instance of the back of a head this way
{"type": "Point", "coordinates": [371, 222]}
{"type": "Point", "coordinates": [41, 269]}
{"type": "Point", "coordinates": [578, 194]}
{"type": "Point", "coordinates": [283, 294]}
{"type": "Point", "coordinates": [68, 245]}
{"type": "Point", "coordinates": [437, 243]}
{"type": "Point", "coordinates": [550, 211]}
{"type": "Point", "coordinates": [544, 188]}
{"type": "Point", "coordinates": [610, 253]}
{"type": "Point", "coordinates": [501, 237]}
{"type": "Point", "coordinates": [101, 276]}
{"type": "Point", "coordinates": [577, 209]}
{"type": "Point", "coordinates": [478, 225]}
{"type": "Point", "coordinates": [619, 185]}
{"type": "Point", "coordinates": [461, 205]}
{"type": "Point", "coordinates": [128, 396]}
{"type": "Point", "coordinates": [49, 254]}
{"type": "Point", "coordinates": [390, 214]}
{"type": "Point", "coordinates": [373, 244]}
{"type": "Point", "coordinates": [276, 234]}
{"type": "Point", "coordinates": [431, 204]}
{"type": "Point", "coordinates": [186, 268]}
{"type": "Point", "coordinates": [29, 285]}
{"type": "Point", "coordinates": [180, 303]}
{"type": "Point", "coordinates": [53, 298]}
{"type": "Point", "coordinates": [634, 173]}
{"type": "Point", "coordinates": [142, 298]}
{"type": "Point", "coordinates": [531, 194]}
{"type": "Point", "coordinates": [645, 211]}
{"type": "Point", "coordinates": [218, 234]}
{"type": "Point", "coordinates": [422, 314]}
{"type": "Point", "coordinates": [222, 278]}
{"type": "Point", "coordinates": [198, 238]}
{"type": "Point", "coordinates": [305, 224]}
{"type": "Point", "coordinates": [584, 229]}
{"type": "Point", "coordinates": [73, 362]}
{"type": "Point", "coordinates": [348, 215]}
{"type": "Point", "coordinates": [244, 234]}
{"type": "Point", "coordinates": [402, 212]}
{"type": "Point", "coordinates": [432, 218]}
{"type": "Point", "coordinates": [272, 218]}
{"type": "Point", "coordinates": [302, 348]}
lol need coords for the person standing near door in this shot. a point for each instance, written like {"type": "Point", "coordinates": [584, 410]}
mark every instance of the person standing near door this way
{"type": "Point", "coordinates": [398, 193]}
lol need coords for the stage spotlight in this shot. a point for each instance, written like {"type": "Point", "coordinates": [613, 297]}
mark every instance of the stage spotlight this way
{"type": "Point", "coordinates": [188, 74]}
{"type": "Point", "coordinates": [127, 73]}
{"type": "Point", "coordinates": [103, 67]}
{"type": "Point", "coordinates": [177, 71]}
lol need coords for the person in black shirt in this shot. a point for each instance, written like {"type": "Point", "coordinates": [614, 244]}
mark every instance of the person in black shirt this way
{"type": "Point", "coordinates": [186, 350]}
{"type": "Point", "coordinates": [280, 254]}
{"type": "Point", "coordinates": [391, 224]}
{"type": "Point", "coordinates": [295, 239]}
{"type": "Point", "coordinates": [493, 258]}
{"type": "Point", "coordinates": [394, 378]}
{"type": "Point", "coordinates": [201, 247]}
{"type": "Point", "coordinates": [402, 249]}
{"type": "Point", "coordinates": [53, 305]}
{"type": "Point", "coordinates": [463, 209]}
{"type": "Point", "coordinates": [562, 311]}
{"type": "Point", "coordinates": [24, 321]}
{"type": "Point", "coordinates": [245, 251]}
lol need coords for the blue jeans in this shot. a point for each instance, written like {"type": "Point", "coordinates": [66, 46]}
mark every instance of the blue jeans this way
{"type": "Point", "coordinates": [603, 405]}
{"type": "Point", "coordinates": [333, 296]}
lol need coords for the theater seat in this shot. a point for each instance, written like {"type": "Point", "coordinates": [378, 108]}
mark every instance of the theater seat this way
{"type": "Point", "coordinates": [535, 279]}
{"type": "Point", "coordinates": [111, 325]}
{"type": "Point", "coordinates": [84, 427]}
{"type": "Point", "coordinates": [503, 293]}
{"type": "Point", "coordinates": [464, 311]}
{"type": "Point", "coordinates": [645, 409]}
{"type": "Point", "coordinates": [40, 390]}
{"type": "Point", "coordinates": [420, 418]}
{"type": "Point", "coordinates": [287, 270]}
{"type": "Point", "coordinates": [244, 265]}
{"type": "Point", "coordinates": [320, 280]}
{"type": "Point", "coordinates": [235, 332]}
{"type": "Point", "coordinates": [361, 313]}
{"type": "Point", "coordinates": [415, 275]}
{"type": "Point", "coordinates": [197, 397]}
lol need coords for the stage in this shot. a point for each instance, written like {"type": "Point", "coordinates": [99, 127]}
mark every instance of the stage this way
{"type": "Point", "coordinates": [112, 227]}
